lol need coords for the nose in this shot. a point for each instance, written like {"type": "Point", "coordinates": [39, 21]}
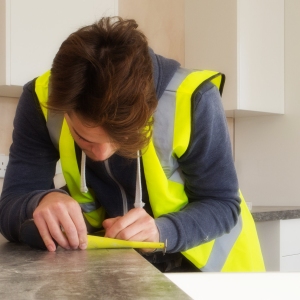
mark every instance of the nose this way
{"type": "Point", "coordinates": [101, 151]}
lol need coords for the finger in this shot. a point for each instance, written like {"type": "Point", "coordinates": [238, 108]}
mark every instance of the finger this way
{"type": "Point", "coordinates": [45, 234]}
{"type": "Point", "coordinates": [81, 229]}
{"type": "Point", "coordinates": [143, 229]}
{"type": "Point", "coordinates": [54, 227]}
{"type": "Point", "coordinates": [49, 228]}
{"type": "Point", "coordinates": [119, 224]}
{"type": "Point", "coordinates": [148, 232]}
{"type": "Point", "coordinates": [107, 223]}
{"type": "Point", "coordinates": [136, 231]}
{"type": "Point", "coordinates": [124, 227]}
{"type": "Point", "coordinates": [70, 231]}
{"type": "Point", "coordinates": [143, 233]}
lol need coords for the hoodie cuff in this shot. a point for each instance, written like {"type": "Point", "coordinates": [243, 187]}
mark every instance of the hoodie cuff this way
{"type": "Point", "coordinates": [35, 200]}
{"type": "Point", "coordinates": [167, 231]}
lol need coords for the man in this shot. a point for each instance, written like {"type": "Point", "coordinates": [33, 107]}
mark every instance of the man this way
{"type": "Point", "coordinates": [144, 150]}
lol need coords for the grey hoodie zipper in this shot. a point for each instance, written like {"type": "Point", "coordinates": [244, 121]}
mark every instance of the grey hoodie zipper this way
{"type": "Point", "coordinates": [124, 197]}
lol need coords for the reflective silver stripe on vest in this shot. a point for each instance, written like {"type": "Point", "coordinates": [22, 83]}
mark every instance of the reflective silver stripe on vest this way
{"type": "Point", "coordinates": [163, 130]}
{"type": "Point", "coordinates": [88, 207]}
{"type": "Point", "coordinates": [222, 248]}
{"type": "Point", "coordinates": [54, 125]}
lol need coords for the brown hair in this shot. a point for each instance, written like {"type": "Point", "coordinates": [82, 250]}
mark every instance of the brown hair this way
{"type": "Point", "coordinates": [103, 73]}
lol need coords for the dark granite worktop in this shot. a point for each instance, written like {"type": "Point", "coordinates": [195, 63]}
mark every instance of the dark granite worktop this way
{"type": "Point", "coordinates": [273, 213]}
{"type": "Point", "coordinates": [27, 273]}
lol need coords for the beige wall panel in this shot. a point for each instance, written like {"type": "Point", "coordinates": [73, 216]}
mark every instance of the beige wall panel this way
{"type": "Point", "coordinates": [2, 41]}
{"type": "Point", "coordinates": [7, 114]}
{"type": "Point", "coordinates": [7, 111]}
{"type": "Point", "coordinates": [162, 21]}
{"type": "Point", "coordinates": [207, 46]}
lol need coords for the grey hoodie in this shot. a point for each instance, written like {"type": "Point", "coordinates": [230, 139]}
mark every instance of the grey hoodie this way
{"type": "Point", "coordinates": [210, 177]}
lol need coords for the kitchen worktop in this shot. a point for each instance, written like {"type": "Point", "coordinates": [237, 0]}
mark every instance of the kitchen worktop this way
{"type": "Point", "coordinates": [273, 213]}
{"type": "Point", "coordinates": [92, 274]}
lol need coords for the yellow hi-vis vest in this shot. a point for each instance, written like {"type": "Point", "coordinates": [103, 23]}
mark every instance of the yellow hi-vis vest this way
{"type": "Point", "coordinates": [237, 251]}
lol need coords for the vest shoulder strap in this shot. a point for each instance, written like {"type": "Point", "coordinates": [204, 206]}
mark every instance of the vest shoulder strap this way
{"type": "Point", "coordinates": [54, 120]}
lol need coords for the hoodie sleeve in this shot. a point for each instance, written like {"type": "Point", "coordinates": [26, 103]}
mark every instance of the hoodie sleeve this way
{"type": "Point", "coordinates": [210, 179]}
{"type": "Point", "coordinates": [31, 167]}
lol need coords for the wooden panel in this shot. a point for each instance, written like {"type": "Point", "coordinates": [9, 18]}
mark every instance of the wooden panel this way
{"type": "Point", "coordinates": [2, 41]}
{"type": "Point", "coordinates": [211, 41]}
{"type": "Point", "coordinates": [7, 113]}
{"type": "Point", "coordinates": [161, 21]}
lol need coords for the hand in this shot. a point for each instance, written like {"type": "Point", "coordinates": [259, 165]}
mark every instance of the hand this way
{"type": "Point", "coordinates": [55, 211]}
{"type": "Point", "coordinates": [136, 225]}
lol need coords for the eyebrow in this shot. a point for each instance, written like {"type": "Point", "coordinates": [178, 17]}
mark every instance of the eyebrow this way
{"type": "Point", "coordinates": [81, 136]}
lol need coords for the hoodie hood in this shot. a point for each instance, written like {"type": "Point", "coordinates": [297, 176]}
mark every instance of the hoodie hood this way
{"type": "Point", "coordinates": [163, 71]}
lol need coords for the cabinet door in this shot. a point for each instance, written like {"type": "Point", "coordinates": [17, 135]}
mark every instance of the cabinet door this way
{"type": "Point", "coordinates": [260, 43]}
{"type": "Point", "coordinates": [245, 40]}
{"type": "Point", "coordinates": [289, 237]}
{"type": "Point", "coordinates": [35, 30]}
{"type": "Point", "coordinates": [290, 245]}
{"type": "Point", "coordinates": [290, 263]}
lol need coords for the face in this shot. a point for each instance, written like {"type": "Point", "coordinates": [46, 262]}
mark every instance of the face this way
{"type": "Point", "coordinates": [94, 141]}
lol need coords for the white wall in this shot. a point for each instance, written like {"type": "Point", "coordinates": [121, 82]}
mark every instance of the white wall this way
{"type": "Point", "coordinates": [267, 148]}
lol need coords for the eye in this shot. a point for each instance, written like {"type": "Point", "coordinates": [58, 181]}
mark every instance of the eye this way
{"type": "Point", "coordinates": [81, 138]}
{"type": "Point", "coordinates": [85, 141]}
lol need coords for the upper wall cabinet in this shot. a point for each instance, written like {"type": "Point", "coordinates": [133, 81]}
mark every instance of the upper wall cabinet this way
{"type": "Point", "coordinates": [244, 39]}
{"type": "Point", "coordinates": [32, 31]}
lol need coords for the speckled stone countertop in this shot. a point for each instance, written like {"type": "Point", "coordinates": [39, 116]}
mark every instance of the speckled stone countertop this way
{"type": "Point", "coordinates": [273, 213]}
{"type": "Point", "coordinates": [26, 273]}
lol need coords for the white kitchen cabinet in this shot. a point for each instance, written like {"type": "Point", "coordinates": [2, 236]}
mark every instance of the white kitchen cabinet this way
{"type": "Point", "coordinates": [33, 30]}
{"type": "Point", "coordinates": [280, 244]}
{"type": "Point", "coordinates": [214, 285]}
{"type": "Point", "coordinates": [244, 39]}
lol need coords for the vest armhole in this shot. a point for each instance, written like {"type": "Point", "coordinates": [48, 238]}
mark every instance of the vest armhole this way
{"type": "Point", "coordinates": [220, 89]}
{"type": "Point", "coordinates": [193, 106]}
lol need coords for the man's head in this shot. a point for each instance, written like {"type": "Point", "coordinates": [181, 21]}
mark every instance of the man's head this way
{"type": "Point", "coordinates": [102, 75]}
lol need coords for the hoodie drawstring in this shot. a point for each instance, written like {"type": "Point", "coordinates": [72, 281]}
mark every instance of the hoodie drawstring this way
{"type": "Point", "coordinates": [83, 187]}
{"type": "Point", "coordinates": [138, 184]}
